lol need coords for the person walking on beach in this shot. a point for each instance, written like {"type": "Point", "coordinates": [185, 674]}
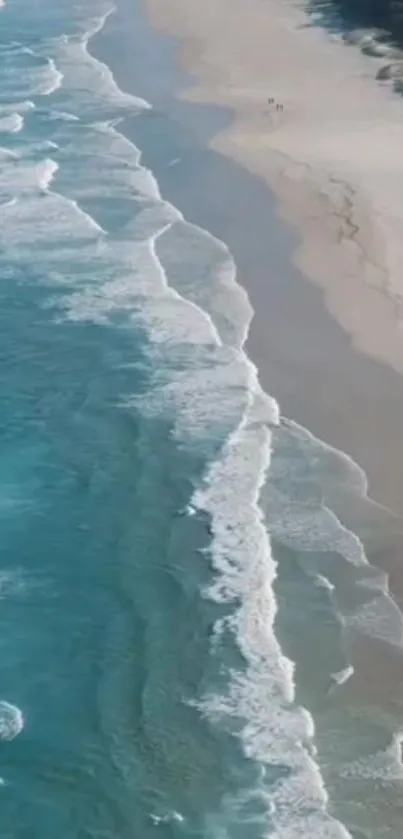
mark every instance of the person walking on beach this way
{"type": "Point", "coordinates": [279, 106]}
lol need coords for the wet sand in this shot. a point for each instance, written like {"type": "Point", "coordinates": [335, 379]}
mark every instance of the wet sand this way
{"type": "Point", "coordinates": [306, 359]}
{"type": "Point", "coordinates": [333, 157]}
{"type": "Point", "coordinates": [332, 153]}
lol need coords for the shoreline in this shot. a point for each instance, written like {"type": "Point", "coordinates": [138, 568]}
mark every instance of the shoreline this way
{"type": "Point", "coordinates": [299, 348]}
{"type": "Point", "coordinates": [304, 358]}
{"type": "Point", "coordinates": [332, 157]}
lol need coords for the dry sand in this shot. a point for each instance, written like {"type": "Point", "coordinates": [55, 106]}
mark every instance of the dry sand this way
{"type": "Point", "coordinates": [334, 155]}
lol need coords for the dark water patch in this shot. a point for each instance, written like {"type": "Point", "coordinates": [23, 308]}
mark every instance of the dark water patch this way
{"type": "Point", "coordinates": [105, 621]}
{"type": "Point", "coordinates": [348, 15]}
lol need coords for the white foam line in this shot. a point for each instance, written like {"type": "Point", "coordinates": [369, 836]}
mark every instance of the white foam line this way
{"type": "Point", "coordinates": [226, 270]}
{"type": "Point", "coordinates": [251, 578]}
{"type": "Point", "coordinates": [18, 124]}
{"type": "Point", "coordinates": [9, 203]}
{"type": "Point", "coordinates": [109, 125]}
{"type": "Point", "coordinates": [230, 279]}
{"type": "Point", "coordinates": [63, 115]}
{"type": "Point", "coordinates": [171, 816]}
{"type": "Point", "coordinates": [275, 730]}
{"type": "Point", "coordinates": [340, 678]}
{"type": "Point", "coordinates": [4, 152]}
{"type": "Point", "coordinates": [11, 720]}
{"type": "Point", "coordinates": [354, 551]}
{"type": "Point", "coordinates": [323, 582]}
{"type": "Point", "coordinates": [226, 289]}
{"type": "Point", "coordinates": [94, 224]}
{"type": "Point", "coordinates": [362, 486]}
{"type": "Point", "coordinates": [246, 572]}
{"type": "Point", "coordinates": [54, 83]}
{"type": "Point", "coordinates": [13, 107]}
{"type": "Point", "coordinates": [97, 25]}
{"type": "Point", "coordinates": [152, 244]}
{"type": "Point", "coordinates": [384, 766]}
{"type": "Point", "coordinates": [12, 123]}
{"type": "Point", "coordinates": [45, 173]}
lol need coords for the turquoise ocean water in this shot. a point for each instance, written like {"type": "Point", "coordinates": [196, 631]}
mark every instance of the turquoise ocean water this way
{"type": "Point", "coordinates": [179, 600]}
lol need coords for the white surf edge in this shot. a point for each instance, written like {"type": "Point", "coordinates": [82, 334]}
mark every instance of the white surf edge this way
{"type": "Point", "coordinates": [264, 410]}
{"type": "Point", "coordinates": [245, 435]}
{"type": "Point", "coordinates": [307, 726]}
{"type": "Point", "coordinates": [11, 720]}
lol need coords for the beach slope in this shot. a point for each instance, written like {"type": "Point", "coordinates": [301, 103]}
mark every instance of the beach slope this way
{"type": "Point", "coordinates": [331, 152]}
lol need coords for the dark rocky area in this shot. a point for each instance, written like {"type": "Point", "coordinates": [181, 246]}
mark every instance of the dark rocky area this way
{"type": "Point", "coordinates": [354, 14]}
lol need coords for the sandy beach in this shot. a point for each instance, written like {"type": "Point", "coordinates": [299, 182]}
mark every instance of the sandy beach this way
{"type": "Point", "coordinates": [325, 333]}
{"type": "Point", "coordinates": [333, 155]}
{"type": "Point", "coordinates": [332, 159]}
{"type": "Point", "coordinates": [306, 358]}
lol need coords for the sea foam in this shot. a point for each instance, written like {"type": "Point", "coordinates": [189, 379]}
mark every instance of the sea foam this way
{"type": "Point", "coordinates": [184, 387]}
{"type": "Point", "coordinates": [274, 731]}
{"type": "Point", "coordinates": [45, 173]}
{"type": "Point", "coordinates": [196, 324]}
{"type": "Point", "coordinates": [11, 721]}
{"type": "Point", "coordinates": [12, 123]}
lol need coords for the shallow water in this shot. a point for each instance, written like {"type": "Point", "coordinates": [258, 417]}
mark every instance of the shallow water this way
{"type": "Point", "coordinates": [164, 530]}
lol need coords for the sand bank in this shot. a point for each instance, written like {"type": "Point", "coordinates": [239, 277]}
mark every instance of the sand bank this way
{"type": "Point", "coordinates": [333, 155]}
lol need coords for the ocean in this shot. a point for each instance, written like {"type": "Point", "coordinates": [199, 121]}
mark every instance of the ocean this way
{"type": "Point", "coordinates": [186, 591]}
